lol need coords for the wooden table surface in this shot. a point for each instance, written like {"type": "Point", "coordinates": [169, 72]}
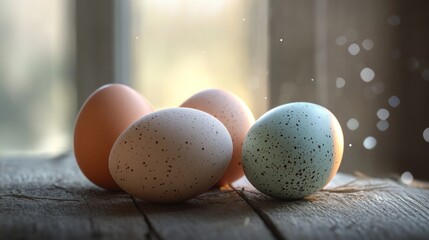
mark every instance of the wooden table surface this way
{"type": "Point", "coordinates": [51, 199]}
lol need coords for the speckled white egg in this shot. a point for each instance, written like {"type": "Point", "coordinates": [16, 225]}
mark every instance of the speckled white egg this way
{"type": "Point", "coordinates": [293, 150]}
{"type": "Point", "coordinates": [171, 155]}
{"type": "Point", "coordinates": [237, 118]}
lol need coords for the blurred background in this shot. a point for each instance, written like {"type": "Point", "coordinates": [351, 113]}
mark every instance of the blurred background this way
{"type": "Point", "coordinates": [367, 61]}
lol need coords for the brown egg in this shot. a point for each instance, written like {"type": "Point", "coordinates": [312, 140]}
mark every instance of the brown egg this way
{"type": "Point", "coordinates": [103, 117]}
{"type": "Point", "coordinates": [235, 115]}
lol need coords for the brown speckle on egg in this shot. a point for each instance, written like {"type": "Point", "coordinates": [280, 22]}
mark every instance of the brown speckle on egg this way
{"type": "Point", "coordinates": [234, 114]}
{"type": "Point", "coordinates": [185, 148]}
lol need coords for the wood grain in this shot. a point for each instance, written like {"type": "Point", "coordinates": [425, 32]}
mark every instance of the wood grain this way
{"type": "Point", "coordinates": [218, 214]}
{"type": "Point", "coordinates": [364, 209]}
{"type": "Point", "coordinates": [51, 199]}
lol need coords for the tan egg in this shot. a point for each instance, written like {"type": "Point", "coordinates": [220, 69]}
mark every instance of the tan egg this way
{"type": "Point", "coordinates": [171, 155]}
{"type": "Point", "coordinates": [103, 117]}
{"type": "Point", "coordinates": [235, 115]}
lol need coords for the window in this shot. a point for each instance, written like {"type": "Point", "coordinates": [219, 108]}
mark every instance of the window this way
{"type": "Point", "coordinates": [182, 47]}
{"type": "Point", "coordinates": [37, 98]}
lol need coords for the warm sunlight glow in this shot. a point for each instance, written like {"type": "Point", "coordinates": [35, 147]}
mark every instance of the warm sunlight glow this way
{"type": "Point", "coordinates": [188, 46]}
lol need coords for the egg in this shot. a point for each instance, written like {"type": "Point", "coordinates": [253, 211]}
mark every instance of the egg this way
{"type": "Point", "coordinates": [237, 118]}
{"type": "Point", "coordinates": [293, 150]}
{"type": "Point", "coordinates": [171, 155]}
{"type": "Point", "coordinates": [104, 115]}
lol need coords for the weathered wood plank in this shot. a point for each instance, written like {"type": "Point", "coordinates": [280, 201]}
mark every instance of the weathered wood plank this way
{"type": "Point", "coordinates": [218, 214]}
{"type": "Point", "coordinates": [51, 199]}
{"type": "Point", "coordinates": [364, 209]}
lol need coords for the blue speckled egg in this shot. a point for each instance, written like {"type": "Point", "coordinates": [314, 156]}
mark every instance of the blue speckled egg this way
{"type": "Point", "coordinates": [293, 150]}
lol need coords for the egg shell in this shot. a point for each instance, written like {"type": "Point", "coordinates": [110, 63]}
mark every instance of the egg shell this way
{"type": "Point", "coordinates": [171, 155]}
{"type": "Point", "coordinates": [237, 118]}
{"type": "Point", "coordinates": [293, 150]}
{"type": "Point", "coordinates": [104, 115]}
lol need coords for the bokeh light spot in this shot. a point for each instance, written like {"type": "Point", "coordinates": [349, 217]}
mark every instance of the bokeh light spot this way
{"type": "Point", "coordinates": [394, 20]}
{"type": "Point", "coordinates": [383, 114]}
{"type": "Point", "coordinates": [394, 101]}
{"type": "Point", "coordinates": [367, 74]}
{"type": "Point", "coordinates": [426, 134]}
{"type": "Point", "coordinates": [367, 44]}
{"type": "Point", "coordinates": [370, 142]}
{"type": "Point", "coordinates": [341, 41]}
{"type": "Point", "coordinates": [382, 125]}
{"type": "Point", "coordinates": [353, 124]}
{"type": "Point", "coordinates": [407, 178]}
{"type": "Point", "coordinates": [378, 87]}
{"type": "Point", "coordinates": [340, 83]}
{"type": "Point", "coordinates": [354, 49]}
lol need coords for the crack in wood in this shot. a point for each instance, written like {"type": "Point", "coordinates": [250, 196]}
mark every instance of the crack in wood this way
{"type": "Point", "coordinates": [35, 198]}
{"type": "Point", "coordinates": [213, 197]}
{"type": "Point", "coordinates": [61, 188]}
{"type": "Point", "coordinates": [152, 231]}
{"type": "Point", "coordinates": [354, 189]}
{"type": "Point", "coordinates": [264, 217]}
